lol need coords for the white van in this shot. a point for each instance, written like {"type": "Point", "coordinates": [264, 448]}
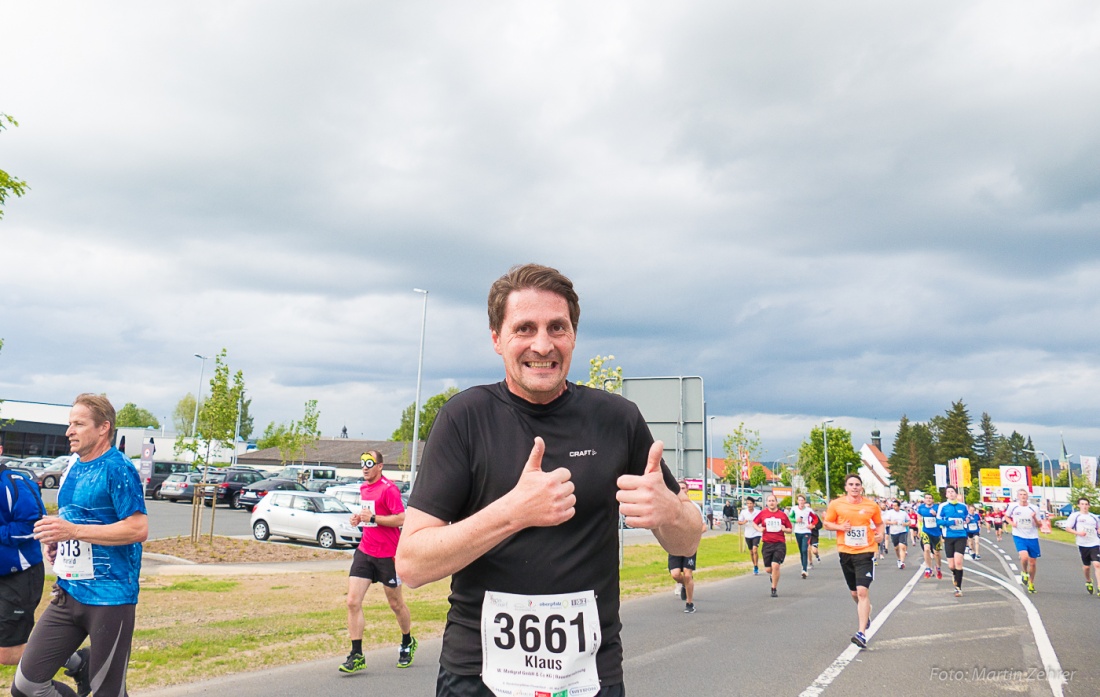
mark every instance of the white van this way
{"type": "Point", "coordinates": [312, 477]}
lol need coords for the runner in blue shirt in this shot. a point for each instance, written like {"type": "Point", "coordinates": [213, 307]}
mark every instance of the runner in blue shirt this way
{"type": "Point", "coordinates": [952, 516]}
{"type": "Point", "coordinates": [974, 532]}
{"type": "Point", "coordinates": [930, 535]}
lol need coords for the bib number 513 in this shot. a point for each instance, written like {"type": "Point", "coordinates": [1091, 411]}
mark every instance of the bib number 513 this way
{"type": "Point", "coordinates": [68, 548]}
{"type": "Point", "coordinates": [532, 634]}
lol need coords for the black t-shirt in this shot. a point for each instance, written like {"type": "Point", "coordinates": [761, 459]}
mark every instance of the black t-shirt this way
{"type": "Point", "coordinates": [475, 453]}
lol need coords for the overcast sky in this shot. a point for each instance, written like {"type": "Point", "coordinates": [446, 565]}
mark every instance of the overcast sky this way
{"type": "Point", "coordinates": [854, 210]}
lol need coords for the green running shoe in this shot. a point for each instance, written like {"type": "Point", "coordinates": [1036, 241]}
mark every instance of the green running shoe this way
{"type": "Point", "coordinates": [406, 654]}
{"type": "Point", "coordinates": [354, 664]}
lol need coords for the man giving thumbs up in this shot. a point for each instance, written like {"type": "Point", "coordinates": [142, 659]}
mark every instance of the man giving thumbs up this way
{"type": "Point", "coordinates": [518, 497]}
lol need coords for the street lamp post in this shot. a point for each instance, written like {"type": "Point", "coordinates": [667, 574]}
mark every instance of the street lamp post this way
{"type": "Point", "coordinates": [198, 398]}
{"type": "Point", "coordinates": [825, 437]}
{"type": "Point", "coordinates": [419, 374]}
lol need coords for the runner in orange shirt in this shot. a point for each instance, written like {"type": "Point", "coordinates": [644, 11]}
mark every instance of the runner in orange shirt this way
{"type": "Point", "coordinates": [858, 524]}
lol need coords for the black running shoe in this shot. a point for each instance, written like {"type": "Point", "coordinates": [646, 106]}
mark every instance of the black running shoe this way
{"type": "Point", "coordinates": [775, 593]}
{"type": "Point", "coordinates": [690, 608]}
{"type": "Point", "coordinates": [83, 673]}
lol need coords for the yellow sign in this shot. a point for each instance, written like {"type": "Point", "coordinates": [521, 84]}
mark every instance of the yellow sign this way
{"type": "Point", "coordinates": [964, 469]}
{"type": "Point", "coordinates": [989, 477]}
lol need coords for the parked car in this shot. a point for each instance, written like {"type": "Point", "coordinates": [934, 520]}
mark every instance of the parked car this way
{"type": "Point", "coordinates": [27, 472]}
{"type": "Point", "coordinates": [10, 461]}
{"type": "Point", "coordinates": [305, 515]}
{"type": "Point", "coordinates": [312, 477]}
{"type": "Point", "coordinates": [251, 494]}
{"type": "Point", "coordinates": [161, 470]}
{"type": "Point", "coordinates": [49, 477]}
{"type": "Point", "coordinates": [181, 486]}
{"type": "Point", "coordinates": [37, 462]}
{"type": "Point", "coordinates": [229, 490]}
{"type": "Point", "coordinates": [351, 496]}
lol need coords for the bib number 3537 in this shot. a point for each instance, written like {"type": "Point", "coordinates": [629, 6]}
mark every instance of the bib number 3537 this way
{"type": "Point", "coordinates": [74, 560]}
{"type": "Point", "coordinates": [540, 644]}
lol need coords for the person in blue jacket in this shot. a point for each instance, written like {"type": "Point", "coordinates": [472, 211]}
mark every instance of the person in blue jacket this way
{"type": "Point", "coordinates": [21, 570]}
{"type": "Point", "coordinates": [952, 516]}
{"type": "Point", "coordinates": [930, 536]}
{"type": "Point", "coordinates": [974, 532]}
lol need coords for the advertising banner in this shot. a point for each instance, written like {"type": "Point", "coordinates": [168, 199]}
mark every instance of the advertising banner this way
{"type": "Point", "coordinates": [1088, 468]}
{"type": "Point", "coordinates": [941, 475]}
{"type": "Point", "coordinates": [1015, 477]}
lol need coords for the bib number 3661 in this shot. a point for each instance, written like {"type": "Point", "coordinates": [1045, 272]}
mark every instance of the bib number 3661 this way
{"type": "Point", "coordinates": [540, 644]}
{"type": "Point", "coordinates": [74, 560]}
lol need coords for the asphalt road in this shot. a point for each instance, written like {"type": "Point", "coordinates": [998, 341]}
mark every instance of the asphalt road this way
{"type": "Point", "coordinates": [995, 640]}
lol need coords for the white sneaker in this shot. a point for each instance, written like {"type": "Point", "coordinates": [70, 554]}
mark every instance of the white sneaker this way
{"type": "Point", "coordinates": [676, 590]}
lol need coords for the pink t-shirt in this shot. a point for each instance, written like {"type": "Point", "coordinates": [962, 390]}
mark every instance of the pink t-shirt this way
{"type": "Point", "coordinates": [380, 541]}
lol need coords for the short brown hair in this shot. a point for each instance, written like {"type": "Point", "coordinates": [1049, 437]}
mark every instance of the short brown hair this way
{"type": "Point", "coordinates": [850, 476]}
{"type": "Point", "coordinates": [100, 407]}
{"type": "Point", "coordinates": [376, 455]}
{"type": "Point", "coordinates": [533, 276]}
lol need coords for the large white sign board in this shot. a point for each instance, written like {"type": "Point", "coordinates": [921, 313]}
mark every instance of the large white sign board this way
{"type": "Point", "coordinates": [673, 408]}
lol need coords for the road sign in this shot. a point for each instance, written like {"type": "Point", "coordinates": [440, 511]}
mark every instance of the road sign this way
{"type": "Point", "coordinates": [673, 409]}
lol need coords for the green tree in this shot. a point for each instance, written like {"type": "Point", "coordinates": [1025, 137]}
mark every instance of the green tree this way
{"type": "Point", "coordinates": [218, 414]}
{"type": "Point", "coordinates": [757, 476]}
{"type": "Point", "coordinates": [1013, 451]}
{"type": "Point", "coordinates": [183, 416]}
{"type": "Point", "coordinates": [985, 446]}
{"type": "Point", "coordinates": [952, 433]}
{"type": "Point", "coordinates": [901, 465]}
{"type": "Point", "coordinates": [743, 444]}
{"type": "Point", "coordinates": [9, 185]}
{"type": "Point", "coordinates": [133, 416]}
{"type": "Point", "coordinates": [1089, 491]}
{"type": "Point", "coordinates": [811, 459]}
{"type": "Point", "coordinates": [428, 412]}
{"type": "Point", "coordinates": [294, 438]}
{"type": "Point", "coordinates": [602, 376]}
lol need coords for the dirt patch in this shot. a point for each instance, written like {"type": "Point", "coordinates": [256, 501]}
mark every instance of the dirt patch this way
{"type": "Point", "coordinates": [232, 550]}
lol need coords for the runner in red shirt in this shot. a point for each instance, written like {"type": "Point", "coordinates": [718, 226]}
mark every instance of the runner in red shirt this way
{"type": "Point", "coordinates": [774, 524]}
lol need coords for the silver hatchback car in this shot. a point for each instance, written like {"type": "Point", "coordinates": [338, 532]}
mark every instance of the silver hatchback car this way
{"type": "Point", "coordinates": [304, 515]}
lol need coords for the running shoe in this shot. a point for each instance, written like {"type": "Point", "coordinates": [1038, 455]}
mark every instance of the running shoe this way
{"type": "Point", "coordinates": [1030, 587]}
{"type": "Point", "coordinates": [354, 664]}
{"type": "Point", "coordinates": [755, 571]}
{"type": "Point", "coordinates": [406, 653]}
{"type": "Point", "coordinates": [902, 565]}
{"type": "Point", "coordinates": [1023, 578]}
{"type": "Point", "coordinates": [690, 608]}
{"type": "Point", "coordinates": [817, 556]}
{"type": "Point", "coordinates": [939, 574]}
{"type": "Point", "coordinates": [860, 640]}
{"type": "Point", "coordinates": [958, 592]}
{"type": "Point", "coordinates": [82, 674]}
{"type": "Point", "coordinates": [683, 592]}
{"type": "Point", "coordinates": [804, 574]}
{"type": "Point", "coordinates": [928, 573]}
{"type": "Point", "coordinates": [977, 557]}
{"type": "Point", "coordinates": [1089, 588]}
{"type": "Point", "coordinates": [811, 566]}
{"type": "Point", "coordinates": [677, 590]}
{"type": "Point", "coordinates": [775, 594]}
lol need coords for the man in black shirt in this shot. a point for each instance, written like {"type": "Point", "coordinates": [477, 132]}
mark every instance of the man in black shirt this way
{"type": "Point", "coordinates": [518, 497]}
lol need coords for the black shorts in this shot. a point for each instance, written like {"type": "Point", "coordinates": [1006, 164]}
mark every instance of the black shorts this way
{"type": "Point", "coordinates": [953, 546]}
{"type": "Point", "coordinates": [448, 684]}
{"type": "Point", "coordinates": [675, 562]}
{"type": "Point", "coordinates": [774, 553]}
{"type": "Point", "coordinates": [899, 538]}
{"type": "Point", "coordinates": [20, 594]}
{"type": "Point", "coordinates": [374, 569]}
{"type": "Point", "coordinates": [932, 541]}
{"type": "Point", "coordinates": [814, 535]}
{"type": "Point", "coordinates": [858, 569]}
{"type": "Point", "coordinates": [998, 526]}
{"type": "Point", "coordinates": [972, 533]}
{"type": "Point", "coordinates": [752, 542]}
{"type": "Point", "coordinates": [1089, 555]}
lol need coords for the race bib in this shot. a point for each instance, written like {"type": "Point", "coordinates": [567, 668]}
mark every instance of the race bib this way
{"type": "Point", "coordinates": [74, 560]}
{"type": "Point", "coordinates": [930, 522]}
{"type": "Point", "coordinates": [1025, 524]}
{"type": "Point", "coordinates": [540, 644]}
{"type": "Point", "coordinates": [365, 512]}
{"type": "Point", "coordinates": [957, 523]}
{"type": "Point", "coordinates": [773, 524]}
{"type": "Point", "coordinates": [801, 526]}
{"type": "Point", "coordinates": [972, 527]}
{"type": "Point", "coordinates": [856, 537]}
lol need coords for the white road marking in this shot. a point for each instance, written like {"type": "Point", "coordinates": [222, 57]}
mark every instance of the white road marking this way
{"type": "Point", "coordinates": [1055, 678]}
{"type": "Point", "coordinates": [833, 671]}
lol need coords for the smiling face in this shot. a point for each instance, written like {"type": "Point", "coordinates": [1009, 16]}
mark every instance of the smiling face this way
{"type": "Point", "coordinates": [536, 341]}
{"type": "Point", "coordinates": [86, 438]}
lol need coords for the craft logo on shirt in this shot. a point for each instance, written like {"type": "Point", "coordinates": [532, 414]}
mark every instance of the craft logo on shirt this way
{"type": "Point", "coordinates": [582, 453]}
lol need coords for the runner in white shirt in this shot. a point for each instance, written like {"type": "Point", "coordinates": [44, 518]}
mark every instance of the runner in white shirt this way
{"type": "Point", "coordinates": [1025, 518]}
{"type": "Point", "coordinates": [802, 518]}
{"type": "Point", "coordinates": [750, 533]}
{"type": "Point", "coordinates": [1084, 524]}
{"type": "Point", "coordinates": [897, 522]}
